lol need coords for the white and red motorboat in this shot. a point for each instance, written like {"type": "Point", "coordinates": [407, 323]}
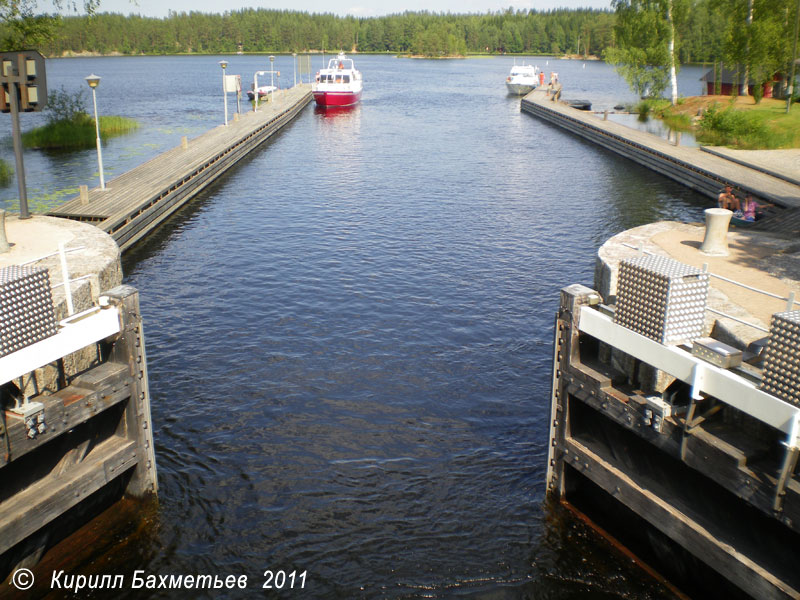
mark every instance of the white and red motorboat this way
{"type": "Point", "coordinates": [340, 84]}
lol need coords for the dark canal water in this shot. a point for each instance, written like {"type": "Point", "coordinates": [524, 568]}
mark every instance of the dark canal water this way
{"type": "Point", "coordinates": [350, 335]}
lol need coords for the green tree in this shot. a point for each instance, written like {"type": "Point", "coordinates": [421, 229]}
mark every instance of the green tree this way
{"type": "Point", "coordinates": [758, 37]}
{"type": "Point", "coordinates": [23, 28]}
{"type": "Point", "coordinates": [645, 50]}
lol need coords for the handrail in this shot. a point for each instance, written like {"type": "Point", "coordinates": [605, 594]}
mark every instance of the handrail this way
{"type": "Point", "coordinates": [65, 280]}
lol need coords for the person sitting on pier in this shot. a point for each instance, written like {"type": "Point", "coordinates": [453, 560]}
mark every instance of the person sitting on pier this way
{"type": "Point", "coordinates": [727, 200]}
{"type": "Point", "coordinates": [751, 209]}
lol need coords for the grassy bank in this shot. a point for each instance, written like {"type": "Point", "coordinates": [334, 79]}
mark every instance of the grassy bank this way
{"type": "Point", "coordinates": [735, 122]}
{"type": "Point", "coordinates": [78, 132]}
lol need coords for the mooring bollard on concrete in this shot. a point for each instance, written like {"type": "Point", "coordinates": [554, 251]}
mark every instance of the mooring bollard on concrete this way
{"type": "Point", "coordinates": [4, 245]}
{"type": "Point", "coordinates": [715, 242]}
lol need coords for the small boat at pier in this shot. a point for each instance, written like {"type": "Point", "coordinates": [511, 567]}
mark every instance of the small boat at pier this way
{"type": "Point", "coordinates": [263, 90]}
{"type": "Point", "coordinates": [522, 79]}
{"type": "Point", "coordinates": [340, 84]}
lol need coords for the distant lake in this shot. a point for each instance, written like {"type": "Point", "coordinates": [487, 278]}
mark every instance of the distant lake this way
{"type": "Point", "coordinates": [350, 334]}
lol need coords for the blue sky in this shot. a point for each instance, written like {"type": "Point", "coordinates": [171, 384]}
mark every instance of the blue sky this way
{"type": "Point", "coordinates": [363, 8]}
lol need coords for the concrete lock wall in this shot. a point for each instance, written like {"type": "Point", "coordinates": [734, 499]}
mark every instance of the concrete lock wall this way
{"type": "Point", "coordinates": [98, 263]}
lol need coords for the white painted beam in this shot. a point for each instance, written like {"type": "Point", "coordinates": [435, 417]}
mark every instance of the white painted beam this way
{"type": "Point", "coordinates": [725, 385]}
{"type": "Point", "coordinates": [75, 333]}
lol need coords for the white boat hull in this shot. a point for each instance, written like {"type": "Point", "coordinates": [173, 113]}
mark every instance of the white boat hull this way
{"type": "Point", "coordinates": [520, 89]}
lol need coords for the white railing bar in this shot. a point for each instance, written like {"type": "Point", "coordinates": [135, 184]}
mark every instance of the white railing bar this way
{"type": "Point", "coordinates": [790, 299]}
{"type": "Point", "coordinates": [752, 289]}
{"type": "Point", "coordinates": [52, 254]}
{"type": "Point", "coordinates": [54, 286]}
{"type": "Point", "coordinates": [65, 278]}
{"type": "Point", "coordinates": [732, 318]}
{"type": "Point", "coordinates": [97, 325]}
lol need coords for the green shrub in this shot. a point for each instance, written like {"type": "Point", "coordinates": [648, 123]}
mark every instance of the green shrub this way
{"type": "Point", "coordinates": [645, 107]}
{"type": "Point", "coordinates": [758, 92]}
{"type": "Point", "coordinates": [677, 121]}
{"type": "Point", "coordinates": [77, 133]}
{"type": "Point", "coordinates": [6, 173]}
{"type": "Point", "coordinates": [70, 126]}
{"type": "Point", "coordinates": [63, 106]}
{"type": "Point", "coordinates": [740, 128]}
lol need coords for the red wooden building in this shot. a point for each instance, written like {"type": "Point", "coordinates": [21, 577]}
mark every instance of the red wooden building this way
{"type": "Point", "coordinates": [728, 78]}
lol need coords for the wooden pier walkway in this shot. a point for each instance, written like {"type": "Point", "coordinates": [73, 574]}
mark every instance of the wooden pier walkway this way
{"type": "Point", "coordinates": [702, 171]}
{"type": "Point", "coordinates": [136, 202]}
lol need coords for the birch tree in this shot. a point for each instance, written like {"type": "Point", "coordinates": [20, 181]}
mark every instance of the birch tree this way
{"type": "Point", "coordinates": [645, 51]}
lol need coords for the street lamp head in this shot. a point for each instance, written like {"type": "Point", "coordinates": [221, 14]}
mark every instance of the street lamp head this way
{"type": "Point", "coordinates": [271, 58]}
{"type": "Point", "coordinates": [223, 64]}
{"type": "Point", "coordinates": [93, 80]}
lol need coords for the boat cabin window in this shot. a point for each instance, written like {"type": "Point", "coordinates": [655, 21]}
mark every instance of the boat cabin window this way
{"type": "Point", "coordinates": [346, 78]}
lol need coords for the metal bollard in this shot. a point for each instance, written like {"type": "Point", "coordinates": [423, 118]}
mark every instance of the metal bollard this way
{"type": "Point", "coordinates": [4, 245]}
{"type": "Point", "coordinates": [715, 242]}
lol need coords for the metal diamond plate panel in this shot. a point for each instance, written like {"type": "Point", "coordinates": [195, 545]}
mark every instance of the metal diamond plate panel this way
{"type": "Point", "coordinates": [26, 307]}
{"type": "Point", "coordinates": [782, 357]}
{"type": "Point", "coordinates": [661, 298]}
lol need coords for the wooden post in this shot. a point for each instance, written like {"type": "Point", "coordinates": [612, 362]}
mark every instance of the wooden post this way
{"type": "Point", "coordinates": [84, 194]}
{"type": "Point", "coordinates": [184, 143]}
{"type": "Point", "coordinates": [137, 425]}
{"type": "Point", "coordinates": [566, 352]}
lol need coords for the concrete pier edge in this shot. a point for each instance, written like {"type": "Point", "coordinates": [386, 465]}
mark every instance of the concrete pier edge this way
{"type": "Point", "coordinates": [771, 263]}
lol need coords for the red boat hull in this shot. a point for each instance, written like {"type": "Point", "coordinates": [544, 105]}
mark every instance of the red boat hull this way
{"type": "Point", "coordinates": [336, 98]}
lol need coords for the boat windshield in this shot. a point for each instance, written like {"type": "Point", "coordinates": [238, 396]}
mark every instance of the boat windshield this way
{"type": "Point", "coordinates": [340, 63]}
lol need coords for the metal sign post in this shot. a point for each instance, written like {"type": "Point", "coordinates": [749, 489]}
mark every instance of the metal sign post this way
{"type": "Point", "coordinates": [24, 88]}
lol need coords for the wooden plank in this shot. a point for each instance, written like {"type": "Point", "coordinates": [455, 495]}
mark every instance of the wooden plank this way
{"type": "Point", "coordinates": [137, 425]}
{"type": "Point", "coordinates": [134, 193]}
{"type": "Point", "coordinates": [28, 511]}
{"type": "Point", "coordinates": [128, 233]}
{"type": "Point", "coordinates": [69, 407]}
{"type": "Point", "coordinates": [720, 461]}
{"type": "Point", "coordinates": [724, 558]}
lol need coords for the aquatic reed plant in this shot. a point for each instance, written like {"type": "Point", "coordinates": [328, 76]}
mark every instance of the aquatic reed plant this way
{"type": "Point", "coordinates": [69, 125]}
{"type": "Point", "coordinates": [676, 121]}
{"type": "Point", "coordinates": [6, 173]}
{"type": "Point", "coordinates": [650, 106]}
{"type": "Point", "coordinates": [78, 132]}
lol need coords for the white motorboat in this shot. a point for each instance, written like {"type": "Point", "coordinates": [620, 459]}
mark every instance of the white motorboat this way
{"type": "Point", "coordinates": [522, 79]}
